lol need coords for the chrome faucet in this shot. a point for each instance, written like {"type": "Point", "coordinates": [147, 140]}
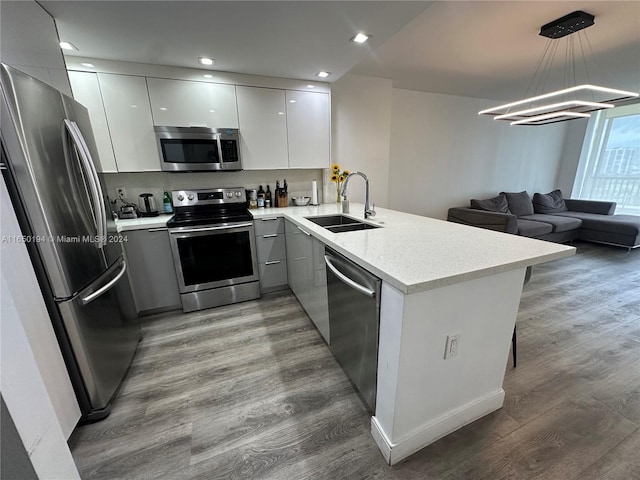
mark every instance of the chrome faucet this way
{"type": "Point", "coordinates": [369, 210]}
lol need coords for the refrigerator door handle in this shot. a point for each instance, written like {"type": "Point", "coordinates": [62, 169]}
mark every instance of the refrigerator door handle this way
{"type": "Point", "coordinates": [94, 185]}
{"type": "Point", "coordinates": [91, 166]}
{"type": "Point", "coordinates": [105, 288]}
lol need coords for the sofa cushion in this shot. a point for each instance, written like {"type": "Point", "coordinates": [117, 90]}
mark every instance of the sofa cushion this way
{"type": "Point", "coordinates": [529, 228]}
{"type": "Point", "coordinates": [622, 224]}
{"type": "Point", "coordinates": [519, 203]}
{"type": "Point", "coordinates": [559, 224]}
{"type": "Point", "coordinates": [551, 202]}
{"type": "Point", "coordinates": [496, 204]}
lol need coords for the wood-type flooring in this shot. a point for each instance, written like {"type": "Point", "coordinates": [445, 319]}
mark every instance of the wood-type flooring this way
{"type": "Point", "coordinates": [251, 391]}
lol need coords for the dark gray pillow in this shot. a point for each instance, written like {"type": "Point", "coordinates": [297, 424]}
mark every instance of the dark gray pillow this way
{"type": "Point", "coordinates": [495, 204]}
{"type": "Point", "coordinates": [519, 203]}
{"type": "Point", "coordinates": [551, 202]}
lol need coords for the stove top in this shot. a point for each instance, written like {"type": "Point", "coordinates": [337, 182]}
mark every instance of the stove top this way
{"type": "Point", "coordinates": [211, 206]}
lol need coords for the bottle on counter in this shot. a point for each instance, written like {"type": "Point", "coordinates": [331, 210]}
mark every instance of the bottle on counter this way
{"type": "Point", "coordinates": [261, 194]}
{"type": "Point", "coordinates": [267, 198]}
{"type": "Point", "coordinates": [166, 202]}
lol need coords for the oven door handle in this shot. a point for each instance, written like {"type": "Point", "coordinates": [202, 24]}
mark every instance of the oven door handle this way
{"type": "Point", "coordinates": [207, 229]}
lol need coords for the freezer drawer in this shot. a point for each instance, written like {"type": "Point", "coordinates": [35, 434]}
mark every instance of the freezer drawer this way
{"type": "Point", "coordinates": [103, 329]}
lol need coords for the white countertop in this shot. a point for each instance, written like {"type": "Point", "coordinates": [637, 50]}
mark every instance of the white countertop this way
{"type": "Point", "coordinates": [411, 252]}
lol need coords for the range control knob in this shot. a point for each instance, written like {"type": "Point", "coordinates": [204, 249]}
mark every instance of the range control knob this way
{"type": "Point", "coordinates": [229, 194]}
{"type": "Point", "coordinates": [238, 193]}
{"type": "Point", "coordinates": [190, 196]}
{"type": "Point", "coordinates": [180, 197]}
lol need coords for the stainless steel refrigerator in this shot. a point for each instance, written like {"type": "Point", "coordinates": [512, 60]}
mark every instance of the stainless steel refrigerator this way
{"type": "Point", "coordinates": [47, 162]}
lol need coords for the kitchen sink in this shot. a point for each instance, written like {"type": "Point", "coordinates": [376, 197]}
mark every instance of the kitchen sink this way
{"type": "Point", "coordinates": [351, 227]}
{"type": "Point", "coordinates": [340, 223]}
{"type": "Point", "coordinates": [331, 220]}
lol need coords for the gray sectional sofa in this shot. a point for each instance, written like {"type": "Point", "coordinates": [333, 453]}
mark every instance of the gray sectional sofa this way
{"type": "Point", "coordinates": [551, 217]}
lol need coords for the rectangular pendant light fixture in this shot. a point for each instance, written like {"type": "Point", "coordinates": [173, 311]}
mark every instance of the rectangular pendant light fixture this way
{"type": "Point", "coordinates": [568, 103]}
{"type": "Point", "coordinates": [550, 118]}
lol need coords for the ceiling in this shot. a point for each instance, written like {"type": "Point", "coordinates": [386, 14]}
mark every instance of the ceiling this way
{"type": "Point", "coordinates": [469, 48]}
{"type": "Point", "coordinates": [291, 39]}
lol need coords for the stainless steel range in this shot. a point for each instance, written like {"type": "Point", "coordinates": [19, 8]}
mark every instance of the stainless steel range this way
{"type": "Point", "coordinates": [213, 246]}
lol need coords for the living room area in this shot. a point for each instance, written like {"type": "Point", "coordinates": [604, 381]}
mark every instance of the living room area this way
{"type": "Point", "coordinates": [573, 402]}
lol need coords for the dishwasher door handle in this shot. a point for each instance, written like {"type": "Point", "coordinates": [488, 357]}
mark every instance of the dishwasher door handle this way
{"type": "Point", "coordinates": [342, 277]}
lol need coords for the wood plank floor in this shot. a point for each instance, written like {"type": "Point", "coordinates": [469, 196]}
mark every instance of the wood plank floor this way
{"type": "Point", "coordinates": [251, 391]}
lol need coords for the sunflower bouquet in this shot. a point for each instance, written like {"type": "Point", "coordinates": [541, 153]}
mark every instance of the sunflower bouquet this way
{"type": "Point", "coordinates": [338, 177]}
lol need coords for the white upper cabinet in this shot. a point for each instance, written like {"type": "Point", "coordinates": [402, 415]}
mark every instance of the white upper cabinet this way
{"type": "Point", "coordinates": [263, 128]}
{"type": "Point", "coordinates": [181, 103]}
{"type": "Point", "coordinates": [86, 90]}
{"type": "Point", "coordinates": [126, 104]}
{"type": "Point", "coordinates": [308, 128]}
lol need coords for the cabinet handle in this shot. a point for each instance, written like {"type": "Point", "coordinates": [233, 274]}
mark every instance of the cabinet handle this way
{"type": "Point", "coordinates": [274, 262]}
{"type": "Point", "coordinates": [160, 229]}
{"type": "Point", "coordinates": [299, 258]}
{"type": "Point", "coordinates": [270, 235]}
{"type": "Point", "coordinates": [269, 219]}
{"type": "Point", "coordinates": [306, 233]}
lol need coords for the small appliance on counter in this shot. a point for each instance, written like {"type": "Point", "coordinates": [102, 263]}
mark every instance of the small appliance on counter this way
{"type": "Point", "coordinates": [147, 205]}
{"type": "Point", "coordinates": [128, 211]}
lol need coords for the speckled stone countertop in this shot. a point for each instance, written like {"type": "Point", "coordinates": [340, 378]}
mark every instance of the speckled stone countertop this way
{"type": "Point", "coordinates": [412, 253]}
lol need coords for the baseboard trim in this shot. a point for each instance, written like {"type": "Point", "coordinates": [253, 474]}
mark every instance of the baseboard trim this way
{"type": "Point", "coordinates": [436, 429]}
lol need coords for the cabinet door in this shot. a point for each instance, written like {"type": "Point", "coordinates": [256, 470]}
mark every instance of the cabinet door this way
{"type": "Point", "coordinates": [151, 269]}
{"type": "Point", "coordinates": [181, 103]}
{"type": "Point", "coordinates": [263, 128]}
{"type": "Point", "coordinates": [126, 104]}
{"type": "Point", "coordinates": [318, 307]}
{"type": "Point", "coordinates": [86, 90]}
{"type": "Point", "coordinates": [308, 128]}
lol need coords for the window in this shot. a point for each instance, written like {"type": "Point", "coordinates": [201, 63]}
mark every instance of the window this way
{"type": "Point", "coordinates": [609, 167]}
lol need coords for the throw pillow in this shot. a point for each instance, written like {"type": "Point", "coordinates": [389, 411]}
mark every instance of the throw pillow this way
{"type": "Point", "coordinates": [495, 204]}
{"type": "Point", "coordinates": [551, 202]}
{"type": "Point", "coordinates": [519, 203]}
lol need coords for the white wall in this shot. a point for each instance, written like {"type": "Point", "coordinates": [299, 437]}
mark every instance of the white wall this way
{"type": "Point", "coordinates": [26, 396]}
{"type": "Point", "coordinates": [29, 42]}
{"type": "Point", "coordinates": [360, 133]}
{"type": "Point", "coordinates": [574, 139]}
{"type": "Point", "coordinates": [443, 153]}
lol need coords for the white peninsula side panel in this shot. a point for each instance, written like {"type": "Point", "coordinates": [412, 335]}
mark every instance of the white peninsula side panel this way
{"type": "Point", "coordinates": [421, 395]}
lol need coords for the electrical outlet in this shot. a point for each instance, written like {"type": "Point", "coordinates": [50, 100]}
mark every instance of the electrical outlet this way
{"type": "Point", "coordinates": [121, 192]}
{"type": "Point", "coordinates": [452, 346]}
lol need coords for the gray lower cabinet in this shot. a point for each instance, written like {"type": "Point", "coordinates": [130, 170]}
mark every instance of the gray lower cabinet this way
{"type": "Point", "coordinates": [272, 253]}
{"type": "Point", "coordinates": [307, 275]}
{"type": "Point", "coordinates": [151, 270]}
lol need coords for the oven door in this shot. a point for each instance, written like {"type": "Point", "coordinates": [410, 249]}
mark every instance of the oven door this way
{"type": "Point", "coordinates": [214, 256]}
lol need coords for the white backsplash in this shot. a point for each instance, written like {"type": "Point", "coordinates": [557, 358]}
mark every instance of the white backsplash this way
{"type": "Point", "coordinates": [298, 181]}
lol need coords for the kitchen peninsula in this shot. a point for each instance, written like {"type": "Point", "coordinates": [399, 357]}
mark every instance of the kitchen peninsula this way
{"type": "Point", "coordinates": [439, 279]}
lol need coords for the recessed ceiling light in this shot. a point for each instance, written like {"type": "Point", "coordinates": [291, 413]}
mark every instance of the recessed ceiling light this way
{"type": "Point", "coordinates": [323, 74]}
{"type": "Point", "coordinates": [163, 108]}
{"type": "Point", "coordinates": [280, 113]}
{"type": "Point", "coordinates": [68, 46]}
{"type": "Point", "coordinates": [360, 38]}
{"type": "Point", "coordinates": [206, 60]}
{"type": "Point", "coordinates": [311, 86]}
{"type": "Point", "coordinates": [292, 101]}
{"type": "Point", "coordinates": [212, 111]}
{"type": "Point", "coordinates": [88, 65]}
{"type": "Point", "coordinates": [208, 76]}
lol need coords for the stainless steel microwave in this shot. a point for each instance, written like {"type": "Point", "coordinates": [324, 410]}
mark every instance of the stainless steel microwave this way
{"type": "Point", "coordinates": [192, 149]}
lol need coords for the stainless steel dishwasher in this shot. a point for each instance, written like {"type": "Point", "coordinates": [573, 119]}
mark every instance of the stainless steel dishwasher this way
{"type": "Point", "coordinates": [354, 319]}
